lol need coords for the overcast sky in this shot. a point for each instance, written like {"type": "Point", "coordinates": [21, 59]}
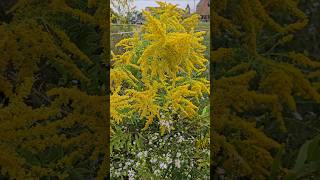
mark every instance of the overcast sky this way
{"type": "Point", "coordinates": [142, 4]}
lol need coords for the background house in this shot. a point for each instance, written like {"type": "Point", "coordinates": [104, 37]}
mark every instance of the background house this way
{"type": "Point", "coordinates": [203, 9]}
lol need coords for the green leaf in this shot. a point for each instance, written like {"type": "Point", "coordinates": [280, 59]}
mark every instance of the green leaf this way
{"type": "Point", "coordinates": [205, 111]}
{"type": "Point", "coordinates": [76, 175]}
{"type": "Point", "coordinates": [276, 165]}
{"type": "Point", "coordinates": [307, 161]}
{"type": "Point", "coordinates": [314, 149]}
{"type": "Point", "coordinates": [308, 170]}
{"type": "Point", "coordinates": [302, 156]}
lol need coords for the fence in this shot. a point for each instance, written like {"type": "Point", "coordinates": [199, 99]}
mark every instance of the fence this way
{"type": "Point", "coordinates": [128, 26]}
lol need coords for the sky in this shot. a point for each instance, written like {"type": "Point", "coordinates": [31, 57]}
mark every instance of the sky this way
{"type": "Point", "coordinates": [142, 4]}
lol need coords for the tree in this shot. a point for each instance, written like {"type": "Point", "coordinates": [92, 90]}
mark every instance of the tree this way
{"type": "Point", "coordinates": [124, 9]}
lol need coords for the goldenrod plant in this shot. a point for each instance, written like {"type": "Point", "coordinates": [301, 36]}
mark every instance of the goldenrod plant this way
{"type": "Point", "coordinates": [53, 103]}
{"type": "Point", "coordinates": [159, 84]}
{"type": "Point", "coordinates": [257, 80]}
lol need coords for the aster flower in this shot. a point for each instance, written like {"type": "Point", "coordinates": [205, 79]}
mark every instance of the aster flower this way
{"type": "Point", "coordinates": [177, 163]}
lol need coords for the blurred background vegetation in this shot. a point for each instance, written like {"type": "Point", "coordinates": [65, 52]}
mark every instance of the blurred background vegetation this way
{"type": "Point", "coordinates": [54, 58]}
{"type": "Point", "coordinates": [250, 36]}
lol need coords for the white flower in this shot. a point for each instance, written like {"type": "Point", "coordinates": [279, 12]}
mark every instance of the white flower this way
{"type": "Point", "coordinates": [145, 153]}
{"type": "Point", "coordinates": [178, 154]}
{"type": "Point", "coordinates": [157, 172]}
{"type": "Point", "coordinates": [169, 160]}
{"type": "Point", "coordinates": [117, 173]}
{"type": "Point", "coordinates": [177, 163]}
{"type": "Point", "coordinates": [131, 174]}
{"type": "Point", "coordinates": [139, 155]}
{"type": "Point", "coordinates": [154, 138]}
{"type": "Point", "coordinates": [163, 165]}
{"type": "Point", "coordinates": [191, 163]}
{"type": "Point", "coordinates": [180, 139]}
{"type": "Point", "coordinates": [153, 160]}
{"type": "Point", "coordinates": [166, 124]}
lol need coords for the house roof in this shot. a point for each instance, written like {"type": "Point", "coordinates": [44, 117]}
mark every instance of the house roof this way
{"type": "Point", "coordinates": [203, 8]}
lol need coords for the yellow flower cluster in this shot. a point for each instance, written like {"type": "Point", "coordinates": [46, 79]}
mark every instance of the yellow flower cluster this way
{"type": "Point", "coordinates": [252, 76]}
{"type": "Point", "coordinates": [167, 74]}
{"type": "Point", "coordinates": [29, 43]}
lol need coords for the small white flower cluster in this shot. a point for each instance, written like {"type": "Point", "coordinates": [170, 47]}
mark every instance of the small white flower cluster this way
{"type": "Point", "coordinates": [163, 165]}
{"type": "Point", "coordinates": [167, 160]}
{"type": "Point", "coordinates": [177, 163]}
{"type": "Point", "coordinates": [142, 154]}
{"type": "Point", "coordinates": [162, 157]}
{"type": "Point", "coordinates": [165, 122]}
{"type": "Point", "coordinates": [122, 168]}
{"type": "Point", "coordinates": [131, 174]}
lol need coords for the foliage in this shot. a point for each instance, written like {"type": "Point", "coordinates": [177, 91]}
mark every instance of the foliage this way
{"type": "Point", "coordinates": [122, 10]}
{"type": "Point", "coordinates": [51, 95]}
{"type": "Point", "coordinates": [308, 160]}
{"type": "Point", "coordinates": [258, 78]}
{"type": "Point", "coordinates": [150, 155]}
{"type": "Point", "coordinates": [163, 71]}
{"type": "Point", "coordinates": [159, 79]}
